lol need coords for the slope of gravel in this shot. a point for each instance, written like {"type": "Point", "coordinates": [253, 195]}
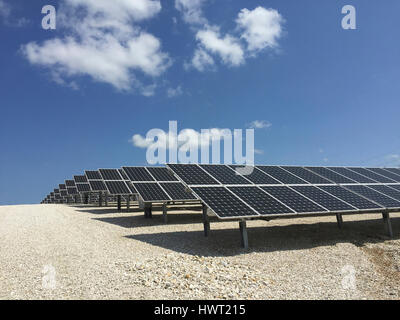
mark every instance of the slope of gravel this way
{"type": "Point", "coordinates": [61, 252]}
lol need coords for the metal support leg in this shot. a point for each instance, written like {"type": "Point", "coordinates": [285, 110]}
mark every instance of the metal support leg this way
{"type": "Point", "coordinates": [388, 224]}
{"type": "Point", "coordinates": [100, 199]}
{"type": "Point", "coordinates": [86, 198]}
{"type": "Point", "coordinates": [206, 221]}
{"type": "Point", "coordinates": [243, 233]}
{"type": "Point", "coordinates": [106, 199]}
{"type": "Point", "coordinates": [339, 219]}
{"type": "Point", "coordinates": [164, 212]}
{"type": "Point", "coordinates": [147, 211]}
{"type": "Point", "coordinates": [128, 203]}
{"type": "Point", "coordinates": [119, 202]}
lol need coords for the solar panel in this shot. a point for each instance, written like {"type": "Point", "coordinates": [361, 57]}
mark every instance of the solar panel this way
{"type": "Point", "coordinates": [255, 175]}
{"type": "Point", "coordinates": [83, 187]}
{"type": "Point", "coordinates": [93, 175]}
{"type": "Point", "coordinates": [395, 186]}
{"type": "Point", "coordinates": [224, 174]}
{"type": "Point", "coordinates": [324, 199]}
{"type": "Point", "coordinates": [63, 193]}
{"type": "Point", "coordinates": [80, 179]}
{"type": "Point", "coordinates": [351, 198]}
{"type": "Point", "coordinates": [138, 174]}
{"type": "Point", "coordinates": [306, 175]}
{"type": "Point", "coordinates": [177, 191]}
{"type": "Point", "coordinates": [62, 187]}
{"type": "Point", "coordinates": [117, 187]}
{"type": "Point", "coordinates": [393, 193]}
{"type": "Point", "coordinates": [293, 200]}
{"type": "Point", "coordinates": [281, 175]}
{"type": "Point", "coordinates": [331, 175]}
{"type": "Point", "coordinates": [260, 201]}
{"type": "Point", "coordinates": [97, 185]}
{"type": "Point", "coordinates": [123, 174]}
{"type": "Point", "coordinates": [70, 183]}
{"type": "Point", "coordinates": [131, 187]}
{"type": "Point", "coordinates": [192, 174]}
{"type": "Point", "coordinates": [351, 175]}
{"type": "Point", "coordinates": [161, 174]}
{"type": "Point", "coordinates": [72, 190]}
{"type": "Point", "coordinates": [110, 174]}
{"type": "Point", "coordinates": [385, 173]}
{"type": "Point", "coordinates": [371, 175]}
{"type": "Point", "coordinates": [394, 170]}
{"type": "Point", "coordinates": [151, 192]}
{"type": "Point", "coordinates": [374, 196]}
{"type": "Point", "coordinates": [224, 203]}
{"type": "Point", "coordinates": [56, 191]}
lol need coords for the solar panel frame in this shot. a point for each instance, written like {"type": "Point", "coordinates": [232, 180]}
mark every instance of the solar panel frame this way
{"type": "Point", "coordinates": [197, 190]}
{"type": "Point", "coordinates": [186, 172]}
{"type": "Point", "coordinates": [387, 174]}
{"type": "Point", "coordinates": [395, 171]}
{"type": "Point", "coordinates": [151, 192]}
{"type": "Point", "coordinates": [387, 190]}
{"type": "Point", "coordinates": [93, 175]}
{"type": "Point", "coordinates": [331, 175]}
{"type": "Point", "coordinates": [110, 175]}
{"type": "Point", "coordinates": [117, 187]}
{"type": "Point", "coordinates": [70, 183]}
{"type": "Point", "coordinates": [224, 174]}
{"type": "Point", "coordinates": [80, 179]}
{"type": "Point", "coordinates": [138, 174]}
{"type": "Point", "coordinates": [344, 171]}
{"type": "Point", "coordinates": [162, 174]}
{"type": "Point", "coordinates": [172, 193]}
{"type": "Point", "coordinates": [375, 196]}
{"type": "Point", "coordinates": [257, 177]}
{"type": "Point", "coordinates": [97, 185]}
{"type": "Point", "coordinates": [72, 190]}
{"type": "Point", "coordinates": [372, 175]}
{"type": "Point", "coordinates": [306, 175]}
{"type": "Point", "coordinates": [282, 175]}
{"type": "Point", "coordinates": [83, 187]}
{"type": "Point", "coordinates": [395, 186]}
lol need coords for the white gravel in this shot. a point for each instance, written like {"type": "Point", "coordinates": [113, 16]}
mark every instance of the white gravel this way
{"type": "Point", "coordinates": [61, 252]}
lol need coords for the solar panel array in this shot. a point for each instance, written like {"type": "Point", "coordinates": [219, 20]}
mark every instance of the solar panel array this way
{"type": "Point", "coordinates": [239, 192]}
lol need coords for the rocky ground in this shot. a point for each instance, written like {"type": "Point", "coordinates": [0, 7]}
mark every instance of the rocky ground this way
{"type": "Point", "coordinates": [61, 252]}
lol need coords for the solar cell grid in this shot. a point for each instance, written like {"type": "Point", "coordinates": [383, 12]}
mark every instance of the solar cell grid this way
{"type": "Point", "coordinates": [117, 187]}
{"type": "Point", "coordinates": [374, 196]}
{"type": "Point", "coordinates": [354, 199]}
{"type": "Point", "coordinates": [281, 175]}
{"type": "Point", "coordinates": [395, 186]}
{"type": "Point", "coordinates": [324, 199]}
{"type": "Point", "coordinates": [72, 190]}
{"type": "Point", "coordinates": [62, 187]}
{"type": "Point", "coordinates": [110, 174]}
{"type": "Point", "coordinates": [93, 175]}
{"type": "Point", "coordinates": [151, 192]}
{"type": "Point", "coordinates": [70, 183]}
{"type": "Point", "coordinates": [394, 170]}
{"type": "Point", "coordinates": [123, 174]}
{"type": "Point", "coordinates": [352, 175]}
{"type": "Point", "coordinates": [224, 174]}
{"type": "Point", "coordinates": [223, 202]}
{"type": "Point", "coordinates": [177, 191]}
{"type": "Point", "coordinates": [255, 175]}
{"type": "Point", "coordinates": [63, 193]}
{"type": "Point", "coordinates": [371, 175]}
{"type": "Point", "coordinates": [260, 201]}
{"type": "Point", "coordinates": [192, 174]}
{"type": "Point", "coordinates": [385, 173]}
{"type": "Point", "coordinates": [161, 174]}
{"type": "Point", "coordinates": [393, 193]}
{"type": "Point", "coordinates": [293, 200]}
{"type": "Point", "coordinates": [306, 175]}
{"type": "Point", "coordinates": [131, 187]}
{"type": "Point", "coordinates": [97, 185]}
{"type": "Point", "coordinates": [138, 174]}
{"type": "Point", "coordinates": [80, 179]}
{"type": "Point", "coordinates": [83, 187]}
{"type": "Point", "coordinates": [331, 175]}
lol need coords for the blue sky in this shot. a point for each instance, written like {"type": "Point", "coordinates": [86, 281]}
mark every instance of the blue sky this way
{"type": "Point", "coordinates": [329, 95]}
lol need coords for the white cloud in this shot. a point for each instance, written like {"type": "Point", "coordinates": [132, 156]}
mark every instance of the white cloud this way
{"type": "Point", "coordinates": [391, 160]}
{"type": "Point", "coordinates": [258, 151]}
{"type": "Point", "coordinates": [261, 27]}
{"type": "Point", "coordinates": [191, 11]}
{"type": "Point", "coordinates": [104, 44]}
{"type": "Point", "coordinates": [202, 60]}
{"type": "Point", "coordinates": [174, 92]}
{"type": "Point", "coordinates": [5, 10]}
{"type": "Point", "coordinates": [259, 124]}
{"type": "Point", "coordinates": [7, 17]}
{"type": "Point", "coordinates": [226, 47]}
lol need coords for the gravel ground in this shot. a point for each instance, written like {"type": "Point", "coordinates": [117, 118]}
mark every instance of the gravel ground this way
{"type": "Point", "coordinates": [61, 252]}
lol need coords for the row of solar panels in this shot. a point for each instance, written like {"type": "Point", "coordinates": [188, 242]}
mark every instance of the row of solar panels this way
{"type": "Point", "coordinates": [237, 192]}
{"type": "Point", "coordinates": [153, 184]}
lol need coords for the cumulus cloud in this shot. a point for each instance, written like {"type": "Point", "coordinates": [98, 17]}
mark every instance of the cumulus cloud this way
{"type": "Point", "coordinates": [191, 10]}
{"type": "Point", "coordinates": [5, 10]}
{"type": "Point", "coordinates": [174, 92]}
{"type": "Point", "coordinates": [227, 47]}
{"type": "Point", "coordinates": [259, 124]}
{"type": "Point", "coordinates": [105, 43]}
{"type": "Point", "coordinates": [256, 30]}
{"type": "Point", "coordinates": [261, 27]}
{"type": "Point", "coordinates": [7, 17]}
